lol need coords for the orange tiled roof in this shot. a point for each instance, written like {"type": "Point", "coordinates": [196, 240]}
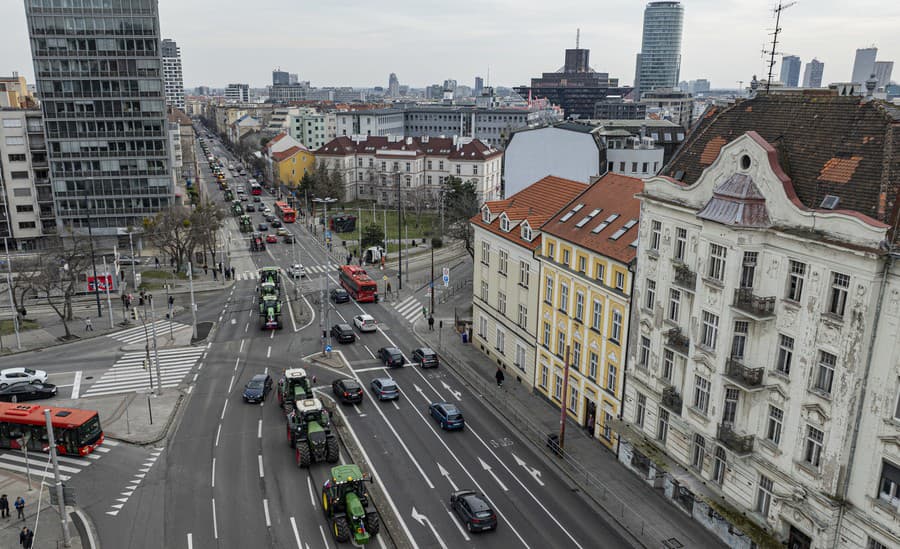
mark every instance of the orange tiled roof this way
{"type": "Point", "coordinates": [839, 170]}
{"type": "Point", "coordinates": [287, 153]}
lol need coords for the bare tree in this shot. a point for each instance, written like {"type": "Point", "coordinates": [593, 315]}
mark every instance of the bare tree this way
{"type": "Point", "coordinates": [57, 277]}
{"type": "Point", "coordinates": [170, 231]}
{"type": "Point", "coordinates": [206, 220]}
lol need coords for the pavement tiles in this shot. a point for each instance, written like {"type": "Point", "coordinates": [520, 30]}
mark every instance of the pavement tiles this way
{"type": "Point", "coordinates": [129, 375]}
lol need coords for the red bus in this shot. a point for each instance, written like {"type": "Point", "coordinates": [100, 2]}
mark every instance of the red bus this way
{"type": "Point", "coordinates": [360, 286]}
{"type": "Point", "coordinates": [76, 432]}
{"type": "Point", "coordinates": [285, 212]}
{"type": "Point", "coordinates": [255, 188]}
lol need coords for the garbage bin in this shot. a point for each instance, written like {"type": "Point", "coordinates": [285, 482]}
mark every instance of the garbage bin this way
{"type": "Point", "coordinates": [465, 337]}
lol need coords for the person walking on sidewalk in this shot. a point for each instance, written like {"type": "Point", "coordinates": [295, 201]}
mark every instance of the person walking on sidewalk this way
{"type": "Point", "coordinates": [26, 537]}
{"type": "Point", "coordinates": [430, 323]}
{"type": "Point", "coordinates": [88, 325]}
{"type": "Point", "coordinates": [500, 377]}
{"type": "Point", "coordinates": [20, 508]}
{"type": "Point", "coordinates": [4, 506]}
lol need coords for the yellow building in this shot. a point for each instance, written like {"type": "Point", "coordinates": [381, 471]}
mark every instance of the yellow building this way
{"type": "Point", "coordinates": [587, 265]}
{"type": "Point", "coordinates": [291, 164]}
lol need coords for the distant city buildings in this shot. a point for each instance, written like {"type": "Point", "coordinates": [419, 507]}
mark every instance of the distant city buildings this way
{"type": "Point", "coordinates": [669, 104]}
{"type": "Point", "coordinates": [393, 86]}
{"type": "Point", "coordinates": [659, 63]}
{"type": "Point", "coordinates": [479, 86]}
{"type": "Point", "coordinates": [14, 92]}
{"type": "Point", "coordinates": [237, 93]}
{"type": "Point", "coordinates": [812, 74]}
{"type": "Point", "coordinates": [790, 70]}
{"type": "Point", "coordinates": [280, 78]}
{"type": "Point", "coordinates": [883, 70]}
{"type": "Point", "coordinates": [616, 108]}
{"type": "Point", "coordinates": [864, 65]}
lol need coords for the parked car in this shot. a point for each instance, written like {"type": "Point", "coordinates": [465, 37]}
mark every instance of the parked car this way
{"type": "Point", "coordinates": [339, 295]}
{"type": "Point", "coordinates": [390, 356]}
{"type": "Point", "coordinates": [128, 260]}
{"type": "Point", "coordinates": [297, 271]}
{"type": "Point", "coordinates": [271, 238]}
{"type": "Point", "coordinates": [23, 390]}
{"type": "Point", "coordinates": [9, 376]}
{"type": "Point", "coordinates": [262, 227]}
{"type": "Point", "coordinates": [474, 510]}
{"type": "Point", "coordinates": [365, 323]}
{"type": "Point", "coordinates": [343, 333]}
{"type": "Point", "coordinates": [282, 231]}
{"type": "Point", "coordinates": [385, 388]}
{"type": "Point", "coordinates": [347, 390]}
{"type": "Point", "coordinates": [425, 357]}
{"type": "Point", "coordinates": [448, 416]}
{"type": "Point", "coordinates": [257, 388]}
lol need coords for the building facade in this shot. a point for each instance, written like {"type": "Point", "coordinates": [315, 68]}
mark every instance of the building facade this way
{"type": "Point", "coordinates": [174, 79]}
{"type": "Point", "coordinates": [308, 127]}
{"type": "Point", "coordinates": [105, 128]}
{"type": "Point", "coordinates": [616, 108]}
{"type": "Point", "coordinates": [790, 70]}
{"type": "Point", "coordinates": [237, 93]}
{"type": "Point", "coordinates": [883, 70]}
{"type": "Point", "coordinates": [863, 65]}
{"type": "Point", "coordinates": [669, 104]}
{"type": "Point", "coordinates": [290, 165]}
{"type": "Point", "coordinates": [659, 63]}
{"type": "Point", "coordinates": [812, 74]}
{"type": "Point", "coordinates": [14, 92]}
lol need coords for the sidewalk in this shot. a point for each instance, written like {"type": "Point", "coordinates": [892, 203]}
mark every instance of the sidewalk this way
{"type": "Point", "coordinates": [42, 518]}
{"type": "Point", "coordinates": [594, 470]}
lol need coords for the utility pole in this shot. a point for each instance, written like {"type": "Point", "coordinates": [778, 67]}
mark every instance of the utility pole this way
{"type": "Point", "coordinates": [562, 405]}
{"type": "Point", "coordinates": [193, 305]}
{"type": "Point", "coordinates": [63, 516]}
{"type": "Point", "coordinates": [93, 260]}
{"type": "Point", "coordinates": [399, 243]}
{"type": "Point", "coordinates": [431, 310]}
{"type": "Point", "coordinates": [133, 275]}
{"type": "Point", "coordinates": [107, 283]}
{"type": "Point", "coordinates": [322, 314]}
{"type": "Point", "coordinates": [12, 302]}
{"type": "Point", "coordinates": [359, 230]}
{"type": "Point", "coordinates": [406, 237]}
{"type": "Point", "coordinates": [156, 349]}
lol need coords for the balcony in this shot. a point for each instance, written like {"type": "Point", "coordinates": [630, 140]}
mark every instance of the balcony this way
{"type": "Point", "coordinates": [749, 379]}
{"type": "Point", "coordinates": [671, 399]}
{"type": "Point", "coordinates": [758, 308]}
{"type": "Point", "coordinates": [741, 445]}
{"type": "Point", "coordinates": [678, 341]}
{"type": "Point", "coordinates": [684, 277]}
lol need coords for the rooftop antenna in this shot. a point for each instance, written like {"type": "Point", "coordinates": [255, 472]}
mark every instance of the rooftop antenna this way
{"type": "Point", "coordinates": [772, 51]}
{"type": "Point", "coordinates": [577, 38]}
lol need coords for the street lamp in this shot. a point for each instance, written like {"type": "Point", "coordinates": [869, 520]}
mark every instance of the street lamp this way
{"type": "Point", "coordinates": [325, 202]}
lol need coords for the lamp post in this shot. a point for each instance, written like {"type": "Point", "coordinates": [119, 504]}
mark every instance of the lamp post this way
{"type": "Point", "coordinates": [325, 202]}
{"type": "Point", "coordinates": [93, 261]}
{"type": "Point", "coordinates": [399, 242]}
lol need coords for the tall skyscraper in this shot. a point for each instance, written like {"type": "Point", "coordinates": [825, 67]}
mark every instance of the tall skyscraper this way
{"type": "Point", "coordinates": [393, 86]}
{"type": "Point", "coordinates": [883, 70]}
{"type": "Point", "coordinates": [790, 70]}
{"type": "Point", "coordinates": [479, 85]}
{"type": "Point", "coordinates": [171, 58]}
{"type": "Point", "coordinates": [105, 119]}
{"type": "Point", "coordinates": [280, 78]}
{"type": "Point", "coordinates": [659, 63]}
{"type": "Point", "coordinates": [812, 74]}
{"type": "Point", "coordinates": [864, 64]}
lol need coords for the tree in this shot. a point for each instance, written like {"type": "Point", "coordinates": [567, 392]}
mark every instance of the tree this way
{"type": "Point", "coordinates": [58, 275]}
{"type": "Point", "coordinates": [460, 205]}
{"type": "Point", "coordinates": [170, 231]}
{"type": "Point", "coordinates": [205, 222]}
{"type": "Point", "coordinates": [372, 235]}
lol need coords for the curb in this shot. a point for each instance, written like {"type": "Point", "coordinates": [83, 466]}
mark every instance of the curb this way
{"type": "Point", "coordinates": [85, 527]}
{"type": "Point", "coordinates": [164, 433]}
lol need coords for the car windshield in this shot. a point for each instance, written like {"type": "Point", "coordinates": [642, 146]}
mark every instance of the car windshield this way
{"type": "Point", "coordinates": [255, 385]}
{"type": "Point", "coordinates": [29, 371]}
{"type": "Point", "coordinates": [388, 385]}
{"type": "Point", "coordinates": [351, 385]}
{"type": "Point", "coordinates": [454, 416]}
{"type": "Point", "coordinates": [483, 514]}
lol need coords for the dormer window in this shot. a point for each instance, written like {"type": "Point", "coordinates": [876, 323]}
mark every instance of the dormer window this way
{"type": "Point", "coordinates": [504, 223]}
{"type": "Point", "coordinates": [526, 232]}
{"type": "Point", "coordinates": [486, 215]}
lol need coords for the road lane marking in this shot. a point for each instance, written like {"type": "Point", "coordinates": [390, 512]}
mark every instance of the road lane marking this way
{"type": "Point", "coordinates": [76, 385]}
{"type": "Point", "coordinates": [369, 350]}
{"type": "Point", "coordinates": [259, 430]}
{"type": "Point", "coordinates": [190, 541]}
{"type": "Point", "coordinates": [269, 350]}
{"type": "Point", "coordinates": [200, 366]}
{"type": "Point", "coordinates": [394, 402]}
{"type": "Point", "coordinates": [324, 539]}
{"type": "Point", "coordinates": [224, 407]}
{"type": "Point", "coordinates": [215, 526]}
{"type": "Point", "coordinates": [195, 378]}
{"type": "Point", "coordinates": [233, 321]}
{"type": "Point", "coordinates": [237, 360]}
{"type": "Point", "coordinates": [266, 509]}
{"type": "Point", "coordinates": [218, 432]}
{"type": "Point", "coordinates": [296, 533]}
{"type": "Point", "coordinates": [458, 525]}
{"type": "Point", "coordinates": [230, 383]}
{"type": "Point", "coordinates": [272, 335]}
{"type": "Point", "coordinates": [312, 494]}
{"type": "Point", "coordinates": [241, 350]}
{"type": "Point", "coordinates": [214, 473]}
{"type": "Point", "coordinates": [374, 369]}
{"type": "Point", "coordinates": [190, 389]}
{"type": "Point", "coordinates": [261, 474]}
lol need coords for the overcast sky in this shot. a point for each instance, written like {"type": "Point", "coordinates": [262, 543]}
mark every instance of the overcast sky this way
{"type": "Point", "coordinates": [351, 42]}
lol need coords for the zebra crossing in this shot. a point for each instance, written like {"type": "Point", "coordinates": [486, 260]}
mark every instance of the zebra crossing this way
{"type": "Point", "coordinates": [310, 270]}
{"type": "Point", "coordinates": [140, 333]}
{"type": "Point", "coordinates": [128, 374]}
{"type": "Point", "coordinates": [410, 309]}
{"type": "Point", "coordinates": [38, 463]}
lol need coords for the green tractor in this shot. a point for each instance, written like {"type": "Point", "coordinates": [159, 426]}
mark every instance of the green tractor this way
{"type": "Point", "coordinates": [294, 385]}
{"type": "Point", "coordinates": [344, 502]}
{"type": "Point", "coordinates": [270, 274]}
{"type": "Point", "coordinates": [309, 431]}
{"type": "Point", "coordinates": [229, 195]}
{"type": "Point", "coordinates": [237, 208]}
{"type": "Point", "coordinates": [270, 312]}
{"type": "Point", "coordinates": [246, 224]}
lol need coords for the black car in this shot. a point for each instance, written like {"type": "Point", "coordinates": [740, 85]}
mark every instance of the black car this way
{"type": "Point", "coordinates": [289, 238]}
{"type": "Point", "coordinates": [23, 390]}
{"type": "Point", "coordinates": [276, 223]}
{"type": "Point", "coordinates": [343, 333]}
{"type": "Point", "coordinates": [347, 390]}
{"type": "Point", "coordinates": [257, 388]}
{"type": "Point", "coordinates": [340, 295]}
{"type": "Point", "coordinates": [256, 198]}
{"type": "Point", "coordinates": [474, 510]}
{"type": "Point", "coordinates": [425, 357]}
{"type": "Point", "coordinates": [263, 227]}
{"type": "Point", "coordinates": [249, 208]}
{"type": "Point", "coordinates": [269, 217]}
{"type": "Point", "coordinates": [390, 356]}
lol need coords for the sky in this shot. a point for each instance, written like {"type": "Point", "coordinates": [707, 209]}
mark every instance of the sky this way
{"type": "Point", "coordinates": [356, 43]}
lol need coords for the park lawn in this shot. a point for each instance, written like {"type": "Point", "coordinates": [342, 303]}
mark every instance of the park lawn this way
{"type": "Point", "coordinates": [7, 326]}
{"type": "Point", "coordinates": [162, 275]}
{"type": "Point", "coordinates": [429, 224]}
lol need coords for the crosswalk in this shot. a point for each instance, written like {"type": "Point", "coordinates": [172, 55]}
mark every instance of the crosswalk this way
{"type": "Point", "coordinates": [38, 462]}
{"type": "Point", "coordinates": [410, 308]}
{"type": "Point", "coordinates": [310, 270]}
{"type": "Point", "coordinates": [128, 375]}
{"type": "Point", "coordinates": [140, 334]}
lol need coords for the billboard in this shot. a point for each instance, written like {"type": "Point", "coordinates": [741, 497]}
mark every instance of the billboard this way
{"type": "Point", "coordinates": [103, 281]}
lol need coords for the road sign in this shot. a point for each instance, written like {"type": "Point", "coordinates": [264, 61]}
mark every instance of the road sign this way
{"type": "Point", "coordinates": [385, 278]}
{"type": "Point", "coordinates": [328, 348]}
{"type": "Point", "coordinates": [446, 277]}
{"type": "Point", "coordinates": [327, 233]}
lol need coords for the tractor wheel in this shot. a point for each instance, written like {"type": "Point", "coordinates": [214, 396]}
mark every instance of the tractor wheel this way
{"type": "Point", "coordinates": [373, 523]}
{"type": "Point", "coordinates": [334, 452]}
{"type": "Point", "coordinates": [341, 529]}
{"type": "Point", "coordinates": [303, 455]}
{"type": "Point", "coordinates": [290, 435]}
{"type": "Point", "coordinates": [325, 508]}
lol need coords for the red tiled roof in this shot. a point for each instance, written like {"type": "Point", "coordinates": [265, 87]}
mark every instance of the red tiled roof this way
{"type": "Point", "coordinates": [612, 194]}
{"type": "Point", "coordinates": [382, 145]}
{"type": "Point", "coordinates": [840, 170]}
{"type": "Point", "coordinates": [287, 153]}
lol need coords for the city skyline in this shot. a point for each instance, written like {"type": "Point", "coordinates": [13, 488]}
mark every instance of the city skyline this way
{"type": "Point", "coordinates": [321, 57]}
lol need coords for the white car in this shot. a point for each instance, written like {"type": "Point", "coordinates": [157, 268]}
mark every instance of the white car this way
{"type": "Point", "coordinates": [15, 375]}
{"type": "Point", "coordinates": [297, 271]}
{"type": "Point", "coordinates": [267, 210]}
{"type": "Point", "coordinates": [365, 323]}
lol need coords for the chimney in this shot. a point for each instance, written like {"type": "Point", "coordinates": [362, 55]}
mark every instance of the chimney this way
{"type": "Point", "coordinates": [870, 86]}
{"type": "Point", "coordinates": [409, 140]}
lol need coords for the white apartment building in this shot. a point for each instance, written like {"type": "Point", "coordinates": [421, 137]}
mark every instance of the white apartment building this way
{"type": "Point", "coordinates": [378, 122]}
{"type": "Point", "coordinates": [308, 127]}
{"type": "Point", "coordinates": [237, 93]}
{"type": "Point", "coordinates": [372, 166]}
{"type": "Point", "coordinates": [172, 75]}
{"type": "Point", "coordinates": [27, 200]}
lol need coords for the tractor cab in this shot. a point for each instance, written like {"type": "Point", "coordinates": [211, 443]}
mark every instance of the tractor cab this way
{"type": "Point", "coordinates": [345, 500]}
{"type": "Point", "coordinates": [309, 410]}
{"type": "Point", "coordinates": [294, 386]}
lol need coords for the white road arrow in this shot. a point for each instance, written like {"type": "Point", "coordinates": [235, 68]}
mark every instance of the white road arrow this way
{"type": "Point", "coordinates": [446, 473]}
{"type": "Point", "coordinates": [421, 392]}
{"type": "Point", "coordinates": [456, 394]}
{"type": "Point", "coordinates": [423, 520]}
{"type": "Point", "coordinates": [487, 468]}
{"type": "Point", "coordinates": [530, 470]}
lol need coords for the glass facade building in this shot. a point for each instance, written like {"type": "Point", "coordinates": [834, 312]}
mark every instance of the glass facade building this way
{"type": "Point", "coordinates": [99, 77]}
{"type": "Point", "coordinates": [659, 63]}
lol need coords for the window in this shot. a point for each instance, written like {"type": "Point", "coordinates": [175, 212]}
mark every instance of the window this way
{"type": "Point", "coordinates": [551, 250]}
{"type": "Point", "coordinates": [748, 269]}
{"type": "Point", "coordinates": [523, 316]}
{"type": "Point", "coordinates": [729, 410]}
{"type": "Point", "coordinates": [582, 264]}
{"type": "Point", "coordinates": [674, 304]}
{"type": "Point", "coordinates": [474, 169]}
{"type": "Point", "coordinates": [561, 344]}
{"type": "Point", "coordinates": [889, 487]}
{"type": "Point", "coordinates": [716, 269]}
{"type": "Point", "coordinates": [620, 281]}
{"type": "Point", "coordinates": [680, 243]}
{"type": "Point", "coordinates": [548, 291]}
{"type": "Point", "coordinates": [599, 272]}
{"type": "Point", "coordinates": [24, 208]}
{"type": "Point", "coordinates": [739, 339]}
{"type": "Point", "coordinates": [520, 357]}
{"type": "Point", "coordinates": [611, 378]}
{"type": "Point", "coordinates": [840, 285]}
{"type": "Point", "coordinates": [482, 328]}
{"type": "Point", "coordinates": [14, 140]}
{"type": "Point", "coordinates": [710, 330]}
{"type": "Point", "coordinates": [486, 253]}
{"type": "Point", "coordinates": [576, 355]}
{"type": "Point", "coordinates": [785, 354]}
{"type": "Point", "coordinates": [774, 425]}
{"type": "Point", "coordinates": [566, 258]}
{"type": "Point", "coordinates": [701, 393]}
{"type": "Point", "coordinates": [764, 495]}
{"type": "Point", "coordinates": [459, 169]}
{"type": "Point", "coordinates": [874, 544]}
{"type": "Point", "coordinates": [504, 256]}
{"type": "Point", "coordinates": [27, 225]}
{"type": "Point", "coordinates": [501, 303]}
{"type": "Point", "coordinates": [825, 372]}
{"type": "Point", "coordinates": [641, 410]}
{"type": "Point", "coordinates": [546, 334]}
{"type": "Point", "coordinates": [504, 223]}
{"type": "Point", "coordinates": [607, 425]}
{"type": "Point", "coordinates": [812, 452]}
{"type": "Point", "coordinates": [592, 366]}
{"type": "Point", "coordinates": [563, 297]}
{"type": "Point", "coordinates": [429, 164]}
{"type": "Point", "coordinates": [573, 399]}
{"type": "Point", "coordinates": [616, 326]}
{"type": "Point", "coordinates": [558, 387]}
{"type": "Point", "coordinates": [795, 280]}
{"type": "Point", "coordinates": [597, 316]}
{"type": "Point", "coordinates": [662, 425]}
{"type": "Point", "coordinates": [655, 235]}
{"type": "Point", "coordinates": [699, 452]}
{"type": "Point", "coordinates": [17, 158]}
{"type": "Point", "coordinates": [668, 372]}
{"type": "Point", "coordinates": [579, 306]}
{"type": "Point", "coordinates": [644, 358]}
{"type": "Point", "coordinates": [484, 291]}
{"type": "Point", "coordinates": [501, 340]}
{"type": "Point", "coordinates": [441, 165]}
{"type": "Point", "coordinates": [12, 123]}
{"type": "Point", "coordinates": [524, 273]}
{"type": "Point", "coordinates": [719, 463]}
{"type": "Point", "coordinates": [650, 295]}
{"type": "Point", "coordinates": [22, 192]}
{"type": "Point", "coordinates": [545, 372]}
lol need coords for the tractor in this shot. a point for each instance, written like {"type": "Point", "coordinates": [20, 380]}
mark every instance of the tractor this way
{"type": "Point", "coordinates": [237, 208]}
{"type": "Point", "coordinates": [309, 431]}
{"type": "Point", "coordinates": [270, 274]}
{"type": "Point", "coordinates": [270, 312]}
{"type": "Point", "coordinates": [229, 195]}
{"type": "Point", "coordinates": [257, 243]}
{"type": "Point", "coordinates": [293, 386]}
{"type": "Point", "coordinates": [344, 502]}
{"type": "Point", "coordinates": [246, 224]}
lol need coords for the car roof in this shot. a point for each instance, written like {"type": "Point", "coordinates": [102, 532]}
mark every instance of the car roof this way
{"type": "Point", "coordinates": [426, 351]}
{"type": "Point", "coordinates": [449, 408]}
{"type": "Point", "coordinates": [385, 381]}
{"type": "Point", "coordinates": [391, 349]}
{"type": "Point", "coordinates": [348, 382]}
{"type": "Point", "coordinates": [365, 317]}
{"type": "Point", "coordinates": [476, 501]}
{"type": "Point", "coordinates": [339, 290]}
{"type": "Point", "coordinates": [344, 326]}
{"type": "Point", "coordinates": [259, 377]}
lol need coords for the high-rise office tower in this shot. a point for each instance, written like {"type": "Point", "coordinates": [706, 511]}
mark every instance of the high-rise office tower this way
{"type": "Point", "coordinates": [864, 64]}
{"type": "Point", "coordinates": [393, 86]}
{"type": "Point", "coordinates": [790, 71]}
{"type": "Point", "coordinates": [479, 85]}
{"type": "Point", "coordinates": [659, 63]}
{"type": "Point", "coordinates": [100, 83]}
{"type": "Point", "coordinates": [812, 74]}
{"type": "Point", "coordinates": [883, 70]}
{"type": "Point", "coordinates": [280, 78]}
{"type": "Point", "coordinates": [171, 58]}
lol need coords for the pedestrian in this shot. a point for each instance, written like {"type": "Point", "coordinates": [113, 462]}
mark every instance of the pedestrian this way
{"type": "Point", "coordinates": [359, 259]}
{"type": "Point", "coordinates": [26, 538]}
{"type": "Point", "coordinates": [220, 267]}
{"type": "Point", "coordinates": [150, 299]}
{"type": "Point", "coordinates": [388, 288]}
{"type": "Point", "coordinates": [88, 325]}
{"type": "Point", "coordinates": [215, 276]}
{"type": "Point", "coordinates": [232, 273]}
{"type": "Point", "coordinates": [20, 507]}
{"type": "Point", "coordinates": [4, 506]}
{"type": "Point", "coordinates": [122, 275]}
{"type": "Point", "coordinates": [205, 270]}
{"type": "Point", "coordinates": [431, 323]}
{"type": "Point", "coordinates": [349, 258]}
{"type": "Point", "coordinates": [171, 301]}
{"type": "Point", "coordinates": [500, 377]}
{"type": "Point", "coordinates": [156, 260]}
{"type": "Point", "coordinates": [171, 262]}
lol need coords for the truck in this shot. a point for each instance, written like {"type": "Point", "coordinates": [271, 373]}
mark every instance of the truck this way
{"type": "Point", "coordinates": [309, 433]}
{"type": "Point", "coordinates": [345, 502]}
{"type": "Point", "coordinates": [245, 224]}
{"type": "Point", "coordinates": [294, 385]}
{"type": "Point", "coordinates": [373, 255]}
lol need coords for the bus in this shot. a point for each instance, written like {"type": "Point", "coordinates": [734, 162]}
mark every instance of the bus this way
{"type": "Point", "coordinates": [285, 212]}
{"type": "Point", "coordinates": [76, 432]}
{"type": "Point", "coordinates": [358, 283]}
{"type": "Point", "coordinates": [255, 189]}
